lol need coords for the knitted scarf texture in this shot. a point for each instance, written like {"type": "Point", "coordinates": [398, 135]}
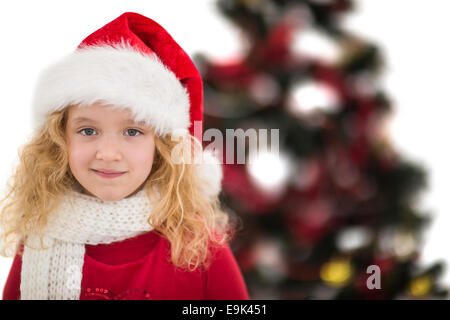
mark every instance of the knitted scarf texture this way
{"type": "Point", "coordinates": [54, 271]}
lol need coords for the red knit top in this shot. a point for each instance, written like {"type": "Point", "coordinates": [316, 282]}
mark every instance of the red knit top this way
{"type": "Point", "coordinates": [138, 268]}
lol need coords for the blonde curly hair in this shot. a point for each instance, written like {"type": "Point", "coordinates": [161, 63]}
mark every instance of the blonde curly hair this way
{"type": "Point", "coordinates": [190, 219]}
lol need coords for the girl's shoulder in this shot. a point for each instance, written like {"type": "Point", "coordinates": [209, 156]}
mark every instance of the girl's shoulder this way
{"type": "Point", "coordinates": [224, 279]}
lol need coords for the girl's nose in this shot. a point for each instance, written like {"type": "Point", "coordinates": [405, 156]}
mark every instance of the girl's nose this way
{"type": "Point", "coordinates": [108, 150]}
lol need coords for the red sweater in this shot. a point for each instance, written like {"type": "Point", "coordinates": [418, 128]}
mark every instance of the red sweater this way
{"type": "Point", "coordinates": [137, 268]}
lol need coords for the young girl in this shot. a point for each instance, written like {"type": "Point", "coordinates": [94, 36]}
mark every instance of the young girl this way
{"type": "Point", "coordinates": [106, 202]}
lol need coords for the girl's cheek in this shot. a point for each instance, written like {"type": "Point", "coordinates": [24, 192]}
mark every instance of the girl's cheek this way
{"type": "Point", "coordinates": [142, 155]}
{"type": "Point", "coordinates": [79, 150]}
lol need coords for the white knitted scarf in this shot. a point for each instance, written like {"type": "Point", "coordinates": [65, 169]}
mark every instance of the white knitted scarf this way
{"type": "Point", "coordinates": [55, 272]}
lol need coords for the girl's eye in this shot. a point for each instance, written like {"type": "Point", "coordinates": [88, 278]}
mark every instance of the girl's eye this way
{"type": "Point", "coordinates": [134, 130]}
{"type": "Point", "coordinates": [88, 130]}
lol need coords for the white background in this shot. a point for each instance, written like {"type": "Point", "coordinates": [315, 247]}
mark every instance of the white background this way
{"type": "Point", "coordinates": [411, 34]}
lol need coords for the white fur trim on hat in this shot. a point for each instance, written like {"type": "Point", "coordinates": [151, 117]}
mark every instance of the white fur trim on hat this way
{"type": "Point", "coordinates": [117, 75]}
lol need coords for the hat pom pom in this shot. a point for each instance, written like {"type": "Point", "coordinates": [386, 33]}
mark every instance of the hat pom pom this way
{"type": "Point", "coordinates": [210, 172]}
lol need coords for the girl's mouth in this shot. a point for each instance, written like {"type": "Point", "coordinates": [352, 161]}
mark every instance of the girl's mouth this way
{"type": "Point", "coordinates": [108, 175]}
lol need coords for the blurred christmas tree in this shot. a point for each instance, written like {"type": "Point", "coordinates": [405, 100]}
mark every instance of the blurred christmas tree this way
{"type": "Point", "coordinates": [338, 198]}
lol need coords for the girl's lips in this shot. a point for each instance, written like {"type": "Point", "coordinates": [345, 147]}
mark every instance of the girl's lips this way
{"type": "Point", "coordinates": [108, 175]}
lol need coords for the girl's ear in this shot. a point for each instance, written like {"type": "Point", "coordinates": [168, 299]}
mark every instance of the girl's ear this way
{"type": "Point", "coordinates": [209, 170]}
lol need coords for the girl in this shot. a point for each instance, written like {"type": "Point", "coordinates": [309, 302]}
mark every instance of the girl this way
{"type": "Point", "coordinates": [107, 202]}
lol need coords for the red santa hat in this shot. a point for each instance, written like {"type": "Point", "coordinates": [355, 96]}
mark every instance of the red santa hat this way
{"type": "Point", "coordinates": [131, 62]}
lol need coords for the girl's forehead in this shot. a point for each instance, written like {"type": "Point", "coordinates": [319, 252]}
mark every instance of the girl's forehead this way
{"type": "Point", "coordinates": [101, 113]}
{"type": "Point", "coordinates": [98, 109]}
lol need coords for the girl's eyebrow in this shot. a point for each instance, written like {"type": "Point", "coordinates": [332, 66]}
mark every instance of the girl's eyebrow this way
{"type": "Point", "coordinates": [81, 119]}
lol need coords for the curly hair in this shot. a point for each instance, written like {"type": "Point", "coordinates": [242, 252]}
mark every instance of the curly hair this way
{"type": "Point", "coordinates": [191, 220]}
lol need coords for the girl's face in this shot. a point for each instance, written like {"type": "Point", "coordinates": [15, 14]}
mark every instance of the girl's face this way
{"type": "Point", "coordinates": [101, 138]}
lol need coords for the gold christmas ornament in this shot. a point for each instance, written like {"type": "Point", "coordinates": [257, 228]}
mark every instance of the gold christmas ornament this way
{"type": "Point", "coordinates": [337, 272]}
{"type": "Point", "coordinates": [420, 286]}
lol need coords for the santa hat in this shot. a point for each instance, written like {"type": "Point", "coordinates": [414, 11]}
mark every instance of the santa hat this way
{"type": "Point", "coordinates": [131, 62]}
